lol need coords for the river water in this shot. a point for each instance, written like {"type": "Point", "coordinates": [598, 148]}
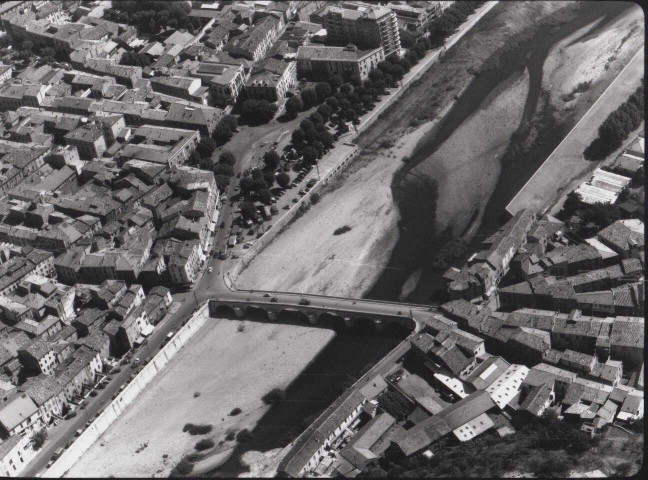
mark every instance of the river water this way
{"type": "Point", "coordinates": [416, 197]}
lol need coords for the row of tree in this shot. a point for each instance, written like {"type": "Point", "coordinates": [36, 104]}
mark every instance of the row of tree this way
{"type": "Point", "coordinates": [446, 23]}
{"type": "Point", "coordinates": [151, 16]}
{"type": "Point", "coordinates": [617, 126]}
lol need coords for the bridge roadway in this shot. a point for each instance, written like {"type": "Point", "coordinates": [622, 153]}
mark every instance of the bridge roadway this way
{"type": "Point", "coordinates": [351, 310]}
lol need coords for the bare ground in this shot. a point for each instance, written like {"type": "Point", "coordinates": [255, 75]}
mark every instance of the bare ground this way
{"type": "Point", "coordinates": [229, 370]}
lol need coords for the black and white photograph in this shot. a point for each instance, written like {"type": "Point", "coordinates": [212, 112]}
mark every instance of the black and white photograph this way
{"type": "Point", "coordinates": [322, 239]}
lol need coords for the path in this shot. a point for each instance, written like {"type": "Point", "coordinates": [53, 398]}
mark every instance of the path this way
{"type": "Point", "coordinates": [566, 164]}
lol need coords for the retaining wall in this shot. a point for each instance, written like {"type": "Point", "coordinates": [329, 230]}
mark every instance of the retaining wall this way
{"type": "Point", "coordinates": [128, 395]}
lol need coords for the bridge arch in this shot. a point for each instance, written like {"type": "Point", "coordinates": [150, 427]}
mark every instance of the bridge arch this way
{"type": "Point", "coordinates": [256, 312]}
{"type": "Point", "coordinates": [332, 320]}
{"type": "Point", "coordinates": [224, 311]}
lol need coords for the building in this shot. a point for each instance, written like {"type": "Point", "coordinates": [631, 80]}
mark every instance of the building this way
{"type": "Point", "coordinates": [184, 265]}
{"type": "Point", "coordinates": [271, 79]}
{"type": "Point", "coordinates": [321, 62]}
{"type": "Point", "coordinates": [89, 140]}
{"type": "Point", "coordinates": [257, 41]}
{"type": "Point", "coordinates": [16, 451]}
{"type": "Point", "coordinates": [624, 237]}
{"type": "Point", "coordinates": [368, 26]}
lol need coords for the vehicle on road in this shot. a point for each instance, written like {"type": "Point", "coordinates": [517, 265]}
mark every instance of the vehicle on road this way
{"type": "Point", "coordinates": [286, 207]}
{"type": "Point", "coordinates": [304, 301]}
{"type": "Point", "coordinates": [266, 294]}
{"type": "Point", "coordinates": [78, 432]}
{"type": "Point", "coordinates": [58, 453]}
{"type": "Point", "coordinates": [50, 463]}
{"type": "Point", "coordinates": [273, 299]}
{"type": "Point", "coordinates": [170, 335]}
{"type": "Point", "coordinates": [70, 415]}
{"type": "Point", "coordinates": [231, 241]}
{"type": "Point", "coordinates": [210, 270]}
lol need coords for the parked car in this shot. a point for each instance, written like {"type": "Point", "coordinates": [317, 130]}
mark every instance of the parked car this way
{"type": "Point", "coordinates": [273, 299]}
{"type": "Point", "coordinates": [210, 270]}
{"type": "Point", "coordinates": [304, 301]}
{"type": "Point", "coordinates": [78, 432]}
{"type": "Point", "coordinates": [70, 415]}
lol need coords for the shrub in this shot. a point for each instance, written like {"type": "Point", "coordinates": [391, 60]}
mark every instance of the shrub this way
{"type": "Point", "coordinates": [273, 396]}
{"type": "Point", "coordinates": [197, 429]}
{"type": "Point", "coordinates": [204, 444]}
{"type": "Point", "coordinates": [230, 435]}
{"type": "Point", "coordinates": [341, 230]}
{"type": "Point", "coordinates": [315, 197]}
{"type": "Point", "coordinates": [235, 412]}
{"type": "Point", "coordinates": [184, 467]}
{"type": "Point", "coordinates": [244, 436]}
{"type": "Point", "coordinates": [241, 327]}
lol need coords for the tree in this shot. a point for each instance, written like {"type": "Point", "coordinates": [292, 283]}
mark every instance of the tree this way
{"type": "Point", "coordinates": [316, 118]}
{"type": "Point", "coordinates": [325, 112]}
{"type": "Point", "coordinates": [297, 136]}
{"type": "Point", "coordinates": [310, 154]}
{"type": "Point", "coordinates": [306, 124]}
{"type": "Point", "coordinates": [227, 158]}
{"type": "Point", "coordinates": [246, 185]}
{"type": "Point", "coordinates": [223, 133]}
{"type": "Point", "coordinates": [346, 88]}
{"type": "Point", "coordinates": [283, 179]}
{"type": "Point", "coordinates": [269, 177]}
{"type": "Point", "coordinates": [395, 404]}
{"type": "Point", "coordinates": [248, 210]}
{"type": "Point", "coordinates": [256, 174]}
{"type": "Point", "coordinates": [135, 59]}
{"type": "Point", "coordinates": [349, 114]}
{"type": "Point", "coordinates": [194, 158]}
{"type": "Point", "coordinates": [332, 102]}
{"type": "Point", "coordinates": [223, 169]}
{"type": "Point", "coordinates": [222, 182]}
{"type": "Point", "coordinates": [27, 46]}
{"type": "Point", "coordinates": [368, 101]}
{"type": "Point", "coordinates": [315, 198]}
{"type": "Point", "coordinates": [294, 105]}
{"type": "Point", "coordinates": [323, 90]}
{"type": "Point", "coordinates": [206, 146]}
{"type": "Point", "coordinates": [38, 439]}
{"type": "Point", "coordinates": [326, 138]}
{"type": "Point", "coordinates": [271, 160]}
{"type": "Point", "coordinates": [265, 196]}
{"type": "Point", "coordinates": [258, 111]}
{"type": "Point", "coordinates": [335, 82]}
{"type": "Point", "coordinates": [173, 23]}
{"type": "Point", "coordinates": [258, 184]}
{"type": "Point", "coordinates": [309, 97]}
{"type": "Point", "coordinates": [231, 121]}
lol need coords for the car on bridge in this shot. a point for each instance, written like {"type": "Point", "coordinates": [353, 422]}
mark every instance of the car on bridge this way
{"type": "Point", "coordinates": [304, 301]}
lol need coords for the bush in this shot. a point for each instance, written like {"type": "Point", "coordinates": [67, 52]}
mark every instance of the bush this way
{"type": "Point", "coordinates": [273, 396]}
{"type": "Point", "coordinates": [244, 436]}
{"type": "Point", "coordinates": [185, 467]}
{"type": "Point", "coordinates": [204, 444]}
{"type": "Point", "coordinates": [315, 198]}
{"type": "Point", "coordinates": [235, 412]}
{"type": "Point", "coordinates": [38, 439]}
{"type": "Point", "coordinates": [197, 429]}
{"type": "Point", "coordinates": [341, 230]}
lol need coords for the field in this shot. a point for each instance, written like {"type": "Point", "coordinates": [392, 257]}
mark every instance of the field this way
{"type": "Point", "coordinates": [228, 370]}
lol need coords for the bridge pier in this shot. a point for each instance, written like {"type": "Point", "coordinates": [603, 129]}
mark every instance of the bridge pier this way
{"type": "Point", "coordinates": [240, 313]}
{"type": "Point", "coordinates": [312, 318]}
{"type": "Point", "coordinates": [272, 315]}
{"type": "Point", "coordinates": [349, 322]}
{"type": "Point", "coordinates": [380, 325]}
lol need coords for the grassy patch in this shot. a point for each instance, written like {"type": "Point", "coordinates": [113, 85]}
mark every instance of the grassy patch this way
{"type": "Point", "coordinates": [197, 429]}
{"type": "Point", "coordinates": [204, 444]}
{"type": "Point", "coordinates": [273, 396]}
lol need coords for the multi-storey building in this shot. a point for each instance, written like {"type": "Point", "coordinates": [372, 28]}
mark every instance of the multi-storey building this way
{"type": "Point", "coordinates": [318, 61]}
{"type": "Point", "coordinates": [367, 26]}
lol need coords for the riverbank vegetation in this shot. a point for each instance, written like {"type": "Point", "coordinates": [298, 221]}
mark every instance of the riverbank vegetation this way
{"type": "Point", "coordinates": [616, 128]}
{"type": "Point", "coordinates": [543, 447]}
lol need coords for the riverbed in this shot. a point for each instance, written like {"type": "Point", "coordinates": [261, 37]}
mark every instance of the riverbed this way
{"type": "Point", "coordinates": [464, 172]}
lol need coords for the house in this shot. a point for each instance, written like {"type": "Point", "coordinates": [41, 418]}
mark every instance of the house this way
{"type": "Point", "coordinates": [18, 414]}
{"type": "Point", "coordinates": [184, 264]}
{"type": "Point", "coordinates": [358, 451]}
{"type": "Point", "coordinates": [78, 372]}
{"type": "Point", "coordinates": [16, 451]}
{"type": "Point", "coordinates": [257, 41]}
{"type": "Point", "coordinates": [88, 139]}
{"type": "Point", "coordinates": [47, 394]}
{"type": "Point", "coordinates": [627, 340]}
{"type": "Point", "coordinates": [270, 80]}
{"type": "Point", "coordinates": [507, 385]}
{"type": "Point", "coordinates": [624, 237]}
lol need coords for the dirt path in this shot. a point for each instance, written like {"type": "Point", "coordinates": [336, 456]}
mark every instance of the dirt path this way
{"type": "Point", "coordinates": [229, 370]}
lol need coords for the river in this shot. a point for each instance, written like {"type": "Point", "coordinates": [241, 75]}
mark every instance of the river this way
{"type": "Point", "coordinates": [416, 196]}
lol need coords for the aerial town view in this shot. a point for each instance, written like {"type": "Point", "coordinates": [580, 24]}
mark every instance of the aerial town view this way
{"type": "Point", "coordinates": [386, 239]}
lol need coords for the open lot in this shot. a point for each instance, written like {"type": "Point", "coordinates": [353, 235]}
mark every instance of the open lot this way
{"type": "Point", "coordinates": [229, 369]}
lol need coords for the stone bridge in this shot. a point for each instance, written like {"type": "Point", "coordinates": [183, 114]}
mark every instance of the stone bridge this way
{"type": "Point", "coordinates": [313, 308]}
